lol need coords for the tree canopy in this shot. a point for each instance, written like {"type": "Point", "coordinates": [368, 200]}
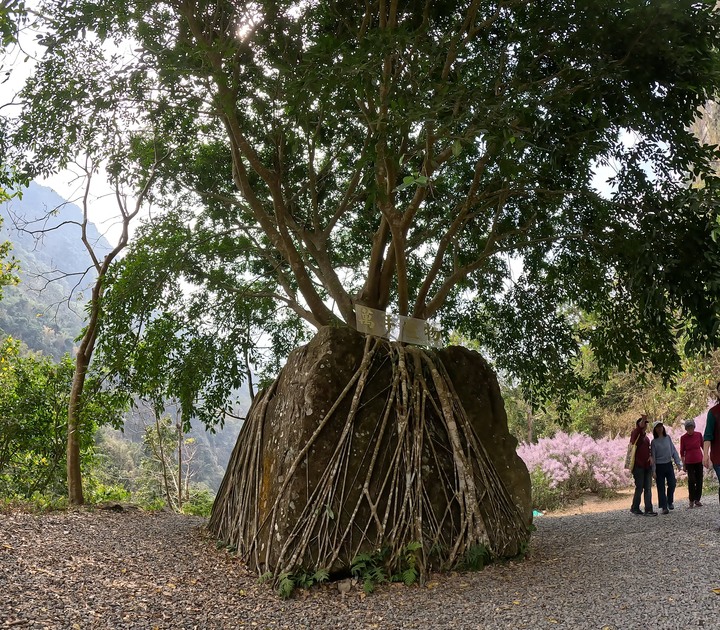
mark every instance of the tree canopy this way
{"type": "Point", "coordinates": [435, 159]}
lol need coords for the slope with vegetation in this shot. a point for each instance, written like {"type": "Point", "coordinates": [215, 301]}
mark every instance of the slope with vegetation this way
{"type": "Point", "coordinates": [46, 310]}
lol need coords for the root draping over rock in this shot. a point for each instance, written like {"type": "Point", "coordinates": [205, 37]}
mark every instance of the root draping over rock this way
{"type": "Point", "coordinates": [364, 445]}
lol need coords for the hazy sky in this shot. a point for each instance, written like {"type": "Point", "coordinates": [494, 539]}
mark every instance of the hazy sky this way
{"type": "Point", "coordinates": [16, 65]}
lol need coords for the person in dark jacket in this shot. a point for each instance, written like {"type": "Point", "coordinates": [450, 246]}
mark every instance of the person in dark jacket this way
{"type": "Point", "coordinates": [711, 438]}
{"type": "Point", "coordinates": [642, 471]}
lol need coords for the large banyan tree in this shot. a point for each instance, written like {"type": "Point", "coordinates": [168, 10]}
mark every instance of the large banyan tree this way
{"type": "Point", "coordinates": [517, 172]}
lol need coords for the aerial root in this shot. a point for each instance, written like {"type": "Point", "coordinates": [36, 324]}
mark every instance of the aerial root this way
{"type": "Point", "coordinates": [387, 504]}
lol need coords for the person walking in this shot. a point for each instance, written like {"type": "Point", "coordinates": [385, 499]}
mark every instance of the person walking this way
{"type": "Point", "coordinates": [662, 453]}
{"type": "Point", "coordinates": [642, 470]}
{"type": "Point", "coordinates": [711, 438]}
{"type": "Point", "coordinates": [691, 454]}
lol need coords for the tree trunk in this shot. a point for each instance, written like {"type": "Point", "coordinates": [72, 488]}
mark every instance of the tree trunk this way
{"type": "Point", "coordinates": [163, 461]}
{"type": "Point", "coordinates": [87, 344]}
{"type": "Point", "coordinates": [530, 418]}
{"type": "Point", "coordinates": [180, 465]}
{"type": "Point", "coordinates": [74, 476]}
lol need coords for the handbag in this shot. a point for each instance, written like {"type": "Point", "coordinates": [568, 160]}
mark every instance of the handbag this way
{"type": "Point", "coordinates": [630, 455]}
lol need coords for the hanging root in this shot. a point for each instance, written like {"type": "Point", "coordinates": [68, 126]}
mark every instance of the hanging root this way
{"type": "Point", "coordinates": [424, 478]}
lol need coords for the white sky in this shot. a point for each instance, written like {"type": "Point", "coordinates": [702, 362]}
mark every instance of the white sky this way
{"type": "Point", "coordinates": [18, 62]}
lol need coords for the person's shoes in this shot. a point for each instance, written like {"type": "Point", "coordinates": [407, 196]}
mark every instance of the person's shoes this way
{"type": "Point", "coordinates": [665, 511]}
{"type": "Point", "coordinates": [671, 506]}
{"type": "Point", "coordinates": [698, 504]}
{"type": "Point", "coordinates": [691, 506]}
{"type": "Point", "coordinates": [637, 512]}
{"type": "Point", "coordinates": [651, 513]}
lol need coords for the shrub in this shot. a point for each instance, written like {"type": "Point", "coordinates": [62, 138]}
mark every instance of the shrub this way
{"type": "Point", "coordinates": [34, 394]}
{"type": "Point", "coordinates": [200, 502]}
{"type": "Point", "coordinates": [97, 492]}
{"type": "Point", "coordinates": [563, 467]}
{"type": "Point", "coordinates": [544, 496]}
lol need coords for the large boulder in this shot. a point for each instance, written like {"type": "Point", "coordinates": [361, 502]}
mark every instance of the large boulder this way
{"type": "Point", "coordinates": [361, 445]}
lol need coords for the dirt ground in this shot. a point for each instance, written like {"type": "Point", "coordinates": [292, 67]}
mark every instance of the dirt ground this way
{"type": "Point", "coordinates": [91, 569]}
{"type": "Point", "coordinates": [593, 504]}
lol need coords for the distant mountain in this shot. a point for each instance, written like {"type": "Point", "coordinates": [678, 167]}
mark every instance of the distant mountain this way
{"type": "Point", "coordinates": [46, 309]}
{"type": "Point", "coordinates": [49, 316]}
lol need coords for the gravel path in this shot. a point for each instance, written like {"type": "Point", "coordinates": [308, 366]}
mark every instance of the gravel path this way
{"type": "Point", "coordinates": [99, 569]}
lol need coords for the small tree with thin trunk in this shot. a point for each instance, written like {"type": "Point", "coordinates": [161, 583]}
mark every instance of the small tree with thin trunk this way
{"type": "Point", "coordinates": [95, 138]}
{"type": "Point", "coordinates": [101, 265]}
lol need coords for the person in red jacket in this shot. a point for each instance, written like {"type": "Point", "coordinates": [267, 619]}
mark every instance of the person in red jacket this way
{"type": "Point", "coordinates": [711, 443]}
{"type": "Point", "coordinates": [691, 453]}
{"type": "Point", "coordinates": [642, 471]}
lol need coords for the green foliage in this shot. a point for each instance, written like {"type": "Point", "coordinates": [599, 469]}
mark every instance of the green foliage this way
{"type": "Point", "coordinates": [407, 570]}
{"type": "Point", "coordinates": [609, 408]}
{"type": "Point", "coordinates": [24, 316]}
{"type": "Point", "coordinates": [710, 484]}
{"type": "Point", "coordinates": [195, 346]}
{"type": "Point", "coordinates": [545, 497]}
{"type": "Point", "coordinates": [288, 582]}
{"type": "Point", "coordinates": [34, 393]}
{"type": "Point", "coordinates": [199, 503]}
{"type": "Point", "coordinates": [370, 569]}
{"type": "Point", "coordinates": [378, 567]}
{"type": "Point", "coordinates": [153, 504]}
{"type": "Point", "coordinates": [97, 492]}
{"type": "Point", "coordinates": [116, 460]}
{"type": "Point", "coordinates": [286, 585]}
{"type": "Point", "coordinates": [37, 502]}
{"type": "Point", "coordinates": [8, 266]}
{"type": "Point", "coordinates": [525, 546]}
{"type": "Point", "coordinates": [12, 15]}
{"type": "Point", "coordinates": [133, 469]}
{"type": "Point", "coordinates": [476, 558]}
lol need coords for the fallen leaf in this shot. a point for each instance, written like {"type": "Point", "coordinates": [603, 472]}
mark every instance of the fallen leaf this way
{"type": "Point", "coordinates": [716, 591]}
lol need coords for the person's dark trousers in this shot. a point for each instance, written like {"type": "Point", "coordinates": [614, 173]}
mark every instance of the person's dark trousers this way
{"type": "Point", "coordinates": [643, 487]}
{"type": "Point", "coordinates": [695, 481]}
{"type": "Point", "coordinates": [665, 474]}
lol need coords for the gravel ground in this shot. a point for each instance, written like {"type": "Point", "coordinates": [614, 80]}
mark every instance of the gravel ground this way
{"type": "Point", "coordinates": [605, 569]}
